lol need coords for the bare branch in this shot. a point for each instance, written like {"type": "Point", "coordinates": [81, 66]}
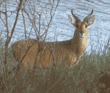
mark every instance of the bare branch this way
{"type": "Point", "coordinates": [12, 31]}
{"type": "Point", "coordinates": [24, 25]}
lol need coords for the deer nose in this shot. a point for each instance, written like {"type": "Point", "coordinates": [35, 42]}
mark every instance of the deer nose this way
{"type": "Point", "coordinates": [81, 33]}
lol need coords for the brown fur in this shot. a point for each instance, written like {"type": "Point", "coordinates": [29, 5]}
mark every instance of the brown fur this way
{"type": "Point", "coordinates": [69, 51]}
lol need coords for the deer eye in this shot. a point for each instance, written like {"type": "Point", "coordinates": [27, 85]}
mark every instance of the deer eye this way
{"type": "Point", "coordinates": [86, 26]}
{"type": "Point", "coordinates": [77, 26]}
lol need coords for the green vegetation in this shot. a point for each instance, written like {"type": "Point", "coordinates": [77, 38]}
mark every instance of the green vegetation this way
{"type": "Point", "coordinates": [91, 75]}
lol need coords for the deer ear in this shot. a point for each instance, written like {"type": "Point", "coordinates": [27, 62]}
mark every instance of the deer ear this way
{"type": "Point", "coordinates": [91, 20]}
{"type": "Point", "coordinates": [71, 19]}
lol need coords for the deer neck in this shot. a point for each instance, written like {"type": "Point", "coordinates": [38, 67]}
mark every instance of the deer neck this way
{"type": "Point", "coordinates": [79, 43]}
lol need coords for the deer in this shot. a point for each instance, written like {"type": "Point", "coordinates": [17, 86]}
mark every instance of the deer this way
{"type": "Point", "coordinates": [31, 51]}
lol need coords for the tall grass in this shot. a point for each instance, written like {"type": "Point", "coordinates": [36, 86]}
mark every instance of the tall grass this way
{"type": "Point", "coordinates": [89, 76]}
